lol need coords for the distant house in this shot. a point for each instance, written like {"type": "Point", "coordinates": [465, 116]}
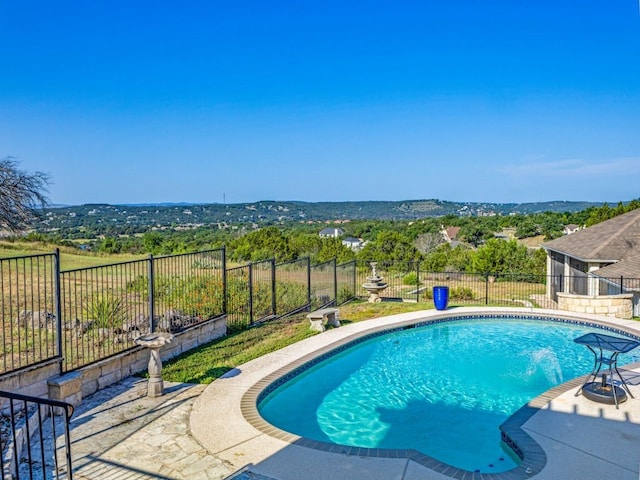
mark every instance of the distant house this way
{"type": "Point", "coordinates": [352, 243]}
{"type": "Point", "coordinates": [603, 259]}
{"type": "Point", "coordinates": [450, 235]}
{"type": "Point", "coordinates": [571, 228]}
{"type": "Point", "coordinates": [331, 232]}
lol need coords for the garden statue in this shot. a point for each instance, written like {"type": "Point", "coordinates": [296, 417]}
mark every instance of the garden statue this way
{"type": "Point", "coordinates": [154, 342]}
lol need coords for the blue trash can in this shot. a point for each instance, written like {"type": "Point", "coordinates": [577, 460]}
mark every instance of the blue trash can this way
{"type": "Point", "coordinates": [441, 297]}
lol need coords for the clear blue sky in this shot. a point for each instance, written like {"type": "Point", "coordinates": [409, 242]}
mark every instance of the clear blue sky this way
{"type": "Point", "coordinates": [200, 101]}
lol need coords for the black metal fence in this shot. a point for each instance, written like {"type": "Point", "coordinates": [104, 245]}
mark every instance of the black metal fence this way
{"type": "Point", "coordinates": [324, 284]}
{"type": "Point", "coordinates": [105, 308]}
{"type": "Point", "coordinates": [188, 289]}
{"type": "Point", "coordinates": [85, 315]}
{"type": "Point", "coordinates": [265, 290]}
{"type": "Point", "coordinates": [101, 309]}
{"type": "Point", "coordinates": [251, 294]}
{"type": "Point", "coordinates": [409, 282]}
{"type": "Point", "coordinates": [346, 282]}
{"type": "Point", "coordinates": [293, 286]}
{"type": "Point", "coordinates": [28, 293]}
{"type": "Point", "coordinates": [617, 285]}
{"type": "Point", "coordinates": [31, 424]}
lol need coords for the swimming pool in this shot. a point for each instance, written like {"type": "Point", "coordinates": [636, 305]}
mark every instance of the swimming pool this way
{"type": "Point", "coordinates": [443, 389]}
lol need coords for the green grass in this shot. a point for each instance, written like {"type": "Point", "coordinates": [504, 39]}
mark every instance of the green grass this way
{"type": "Point", "coordinates": [206, 363]}
{"type": "Point", "coordinates": [70, 258]}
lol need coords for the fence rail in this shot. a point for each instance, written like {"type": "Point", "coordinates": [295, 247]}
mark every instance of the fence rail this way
{"type": "Point", "coordinates": [84, 315]}
{"type": "Point", "coordinates": [409, 282]}
{"type": "Point", "coordinates": [28, 287]}
{"type": "Point", "coordinates": [293, 286]}
{"type": "Point", "coordinates": [323, 284]}
{"type": "Point", "coordinates": [24, 419]}
{"type": "Point", "coordinates": [251, 294]}
{"type": "Point", "coordinates": [102, 308]}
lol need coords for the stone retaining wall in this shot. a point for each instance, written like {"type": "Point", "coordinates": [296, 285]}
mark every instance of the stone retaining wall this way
{"type": "Point", "coordinates": [45, 381]}
{"type": "Point", "coordinates": [619, 306]}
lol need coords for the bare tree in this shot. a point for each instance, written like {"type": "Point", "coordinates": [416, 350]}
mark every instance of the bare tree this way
{"type": "Point", "coordinates": [426, 242]}
{"type": "Point", "coordinates": [21, 194]}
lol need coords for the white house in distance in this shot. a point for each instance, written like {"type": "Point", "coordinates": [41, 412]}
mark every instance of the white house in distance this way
{"type": "Point", "coordinates": [354, 244]}
{"type": "Point", "coordinates": [331, 232]}
{"type": "Point", "coordinates": [571, 228]}
{"type": "Point", "coordinates": [350, 242]}
{"type": "Point", "coordinates": [593, 266]}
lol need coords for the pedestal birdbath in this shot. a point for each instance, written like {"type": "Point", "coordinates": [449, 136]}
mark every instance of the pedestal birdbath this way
{"type": "Point", "coordinates": [374, 285]}
{"type": "Point", "coordinates": [154, 342]}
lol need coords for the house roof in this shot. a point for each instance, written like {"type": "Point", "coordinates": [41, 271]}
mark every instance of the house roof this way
{"type": "Point", "coordinates": [610, 241]}
{"type": "Point", "coordinates": [331, 231]}
{"type": "Point", "coordinates": [450, 233]}
{"type": "Point", "coordinates": [628, 268]}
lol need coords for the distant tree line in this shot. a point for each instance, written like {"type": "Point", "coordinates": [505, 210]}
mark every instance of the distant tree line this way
{"type": "Point", "coordinates": [392, 242]}
{"type": "Point", "coordinates": [398, 242]}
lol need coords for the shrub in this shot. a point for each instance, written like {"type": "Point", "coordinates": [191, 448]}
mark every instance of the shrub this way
{"type": "Point", "coordinates": [290, 295]}
{"type": "Point", "coordinates": [197, 296]}
{"type": "Point", "coordinates": [106, 310]}
{"type": "Point", "coordinates": [344, 294]}
{"type": "Point", "coordinates": [139, 285]}
{"type": "Point", "coordinates": [462, 293]}
{"type": "Point", "coordinates": [410, 278]}
{"type": "Point", "coordinates": [205, 263]}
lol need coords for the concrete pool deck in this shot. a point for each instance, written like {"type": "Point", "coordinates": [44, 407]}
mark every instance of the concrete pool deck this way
{"type": "Point", "coordinates": [580, 438]}
{"type": "Point", "coordinates": [199, 432]}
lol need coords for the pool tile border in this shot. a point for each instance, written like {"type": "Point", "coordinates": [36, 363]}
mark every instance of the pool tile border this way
{"type": "Point", "coordinates": [533, 457]}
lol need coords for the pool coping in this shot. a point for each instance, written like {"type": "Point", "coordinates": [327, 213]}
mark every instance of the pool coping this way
{"type": "Point", "coordinates": [534, 458]}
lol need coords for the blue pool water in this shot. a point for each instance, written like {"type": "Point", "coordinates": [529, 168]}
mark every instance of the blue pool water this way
{"type": "Point", "coordinates": [442, 389]}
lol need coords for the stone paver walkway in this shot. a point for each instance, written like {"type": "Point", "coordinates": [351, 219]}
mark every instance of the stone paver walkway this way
{"type": "Point", "coordinates": [120, 433]}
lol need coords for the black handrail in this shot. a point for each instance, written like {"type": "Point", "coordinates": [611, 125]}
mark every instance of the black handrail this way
{"type": "Point", "coordinates": [18, 416]}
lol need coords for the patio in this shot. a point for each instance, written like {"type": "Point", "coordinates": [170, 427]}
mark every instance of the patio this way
{"type": "Point", "coordinates": [200, 432]}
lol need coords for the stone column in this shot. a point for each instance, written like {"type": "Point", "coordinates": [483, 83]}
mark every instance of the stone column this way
{"type": "Point", "coordinates": [594, 283]}
{"type": "Point", "coordinates": [549, 273]}
{"type": "Point", "coordinates": [567, 275]}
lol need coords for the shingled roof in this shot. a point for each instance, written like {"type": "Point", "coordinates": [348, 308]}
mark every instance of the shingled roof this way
{"type": "Point", "coordinates": [613, 240]}
{"type": "Point", "coordinates": [628, 268]}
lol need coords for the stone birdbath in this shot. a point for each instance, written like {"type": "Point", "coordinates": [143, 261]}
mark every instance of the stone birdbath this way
{"type": "Point", "coordinates": [154, 342]}
{"type": "Point", "coordinates": [374, 284]}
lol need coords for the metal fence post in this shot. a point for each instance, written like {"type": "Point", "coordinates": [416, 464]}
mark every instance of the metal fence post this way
{"type": "Point", "coordinates": [355, 279]}
{"type": "Point", "coordinates": [621, 284]}
{"type": "Point", "coordinates": [251, 293]}
{"type": "Point", "coordinates": [151, 290]}
{"type": "Point", "coordinates": [417, 282]}
{"type": "Point", "coordinates": [273, 286]}
{"type": "Point", "coordinates": [224, 280]}
{"type": "Point", "coordinates": [335, 280]}
{"type": "Point", "coordinates": [309, 281]}
{"type": "Point", "coordinates": [58, 305]}
{"type": "Point", "coordinates": [486, 289]}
